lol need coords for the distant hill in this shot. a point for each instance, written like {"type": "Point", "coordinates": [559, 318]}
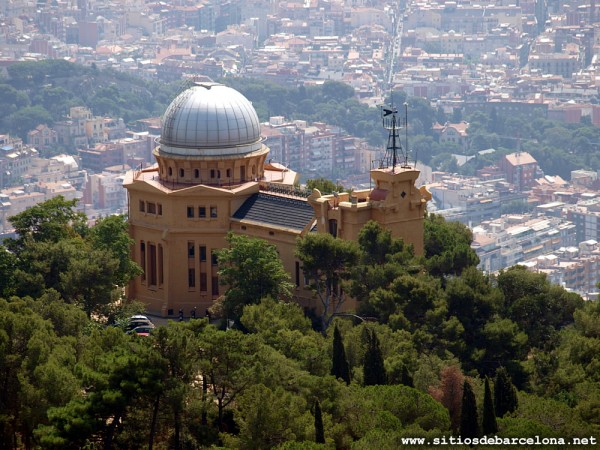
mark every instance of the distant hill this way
{"type": "Point", "coordinates": [43, 92]}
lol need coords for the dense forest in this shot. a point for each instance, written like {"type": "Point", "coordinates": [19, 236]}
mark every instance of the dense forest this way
{"type": "Point", "coordinates": [42, 92]}
{"type": "Point", "coordinates": [435, 349]}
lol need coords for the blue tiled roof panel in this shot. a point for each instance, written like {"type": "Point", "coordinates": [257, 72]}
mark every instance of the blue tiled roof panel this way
{"type": "Point", "coordinates": [275, 210]}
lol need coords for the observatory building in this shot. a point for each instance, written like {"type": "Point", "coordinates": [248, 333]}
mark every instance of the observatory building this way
{"type": "Point", "coordinates": [211, 177]}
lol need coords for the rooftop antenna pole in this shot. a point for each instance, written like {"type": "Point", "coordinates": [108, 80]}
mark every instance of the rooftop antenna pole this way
{"type": "Point", "coordinates": [390, 122]}
{"type": "Point", "coordinates": [394, 147]}
{"type": "Point", "coordinates": [406, 135]}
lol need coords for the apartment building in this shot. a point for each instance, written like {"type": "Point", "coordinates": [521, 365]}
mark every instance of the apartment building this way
{"type": "Point", "coordinates": [521, 169]}
{"type": "Point", "coordinates": [17, 199]}
{"type": "Point", "coordinates": [512, 239]}
{"type": "Point", "coordinates": [101, 156]}
{"type": "Point", "coordinates": [15, 160]}
{"type": "Point", "coordinates": [82, 128]}
{"type": "Point", "coordinates": [576, 268]}
{"type": "Point", "coordinates": [586, 217]}
{"type": "Point", "coordinates": [104, 191]}
{"type": "Point", "coordinates": [42, 137]}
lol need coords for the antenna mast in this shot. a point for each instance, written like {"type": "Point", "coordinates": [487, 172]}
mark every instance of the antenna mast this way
{"type": "Point", "coordinates": [389, 116]}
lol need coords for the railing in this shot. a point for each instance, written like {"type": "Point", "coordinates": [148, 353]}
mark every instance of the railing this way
{"type": "Point", "coordinates": [292, 191]}
{"type": "Point", "coordinates": [230, 183]}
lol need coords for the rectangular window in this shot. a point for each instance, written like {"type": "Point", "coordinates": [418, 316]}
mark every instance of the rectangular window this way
{"type": "Point", "coordinates": [161, 276]}
{"type": "Point", "coordinates": [143, 259]}
{"type": "Point", "coordinates": [213, 212]}
{"type": "Point", "coordinates": [213, 258]}
{"type": "Point", "coordinates": [191, 249]}
{"type": "Point", "coordinates": [202, 212]}
{"type": "Point", "coordinates": [212, 173]}
{"type": "Point", "coordinates": [159, 206]}
{"type": "Point", "coordinates": [203, 282]}
{"type": "Point", "coordinates": [202, 253]}
{"type": "Point", "coordinates": [215, 285]}
{"type": "Point", "coordinates": [151, 208]}
{"type": "Point", "coordinates": [297, 274]}
{"type": "Point", "coordinates": [191, 277]}
{"type": "Point", "coordinates": [190, 212]}
{"type": "Point", "coordinates": [142, 206]}
{"type": "Point", "coordinates": [333, 227]}
{"type": "Point", "coordinates": [152, 264]}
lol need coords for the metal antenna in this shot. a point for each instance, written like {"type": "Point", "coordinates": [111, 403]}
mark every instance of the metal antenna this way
{"type": "Point", "coordinates": [389, 115]}
{"type": "Point", "coordinates": [406, 136]}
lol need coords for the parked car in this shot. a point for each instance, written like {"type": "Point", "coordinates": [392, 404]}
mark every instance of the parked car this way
{"type": "Point", "coordinates": [139, 321]}
{"type": "Point", "coordinates": [139, 317]}
{"type": "Point", "coordinates": [141, 330]}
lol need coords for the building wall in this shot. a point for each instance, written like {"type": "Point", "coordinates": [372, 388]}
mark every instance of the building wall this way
{"type": "Point", "coordinates": [171, 227]}
{"type": "Point", "coordinates": [169, 233]}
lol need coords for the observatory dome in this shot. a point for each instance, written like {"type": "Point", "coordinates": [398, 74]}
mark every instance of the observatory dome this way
{"type": "Point", "coordinates": [210, 120]}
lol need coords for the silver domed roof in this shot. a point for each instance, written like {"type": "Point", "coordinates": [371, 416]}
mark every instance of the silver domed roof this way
{"type": "Point", "coordinates": [210, 119]}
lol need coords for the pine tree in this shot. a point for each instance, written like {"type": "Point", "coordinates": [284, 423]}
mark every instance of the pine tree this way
{"type": "Point", "coordinates": [340, 367]}
{"type": "Point", "coordinates": [373, 369]}
{"type": "Point", "coordinates": [319, 430]}
{"type": "Point", "coordinates": [469, 423]}
{"type": "Point", "coordinates": [489, 425]}
{"type": "Point", "coordinates": [505, 394]}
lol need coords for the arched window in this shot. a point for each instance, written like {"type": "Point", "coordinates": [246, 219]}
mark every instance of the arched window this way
{"type": "Point", "coordinates": [196, 173]}
{"type": "Point", "coordinates": [170, 171]}
{"type": "Point", "coordinates": [181, 173]}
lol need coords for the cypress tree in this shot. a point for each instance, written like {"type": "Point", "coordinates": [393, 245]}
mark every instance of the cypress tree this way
{"type": "Point", "coordinates": [489, 425]}
{"type": "Point", "coordinates": [319, 430]}
{"type": "Point", "coordinates": [340, 367]}
{"type": "Point", "coordinates": [469, 423]}
{"type": "Point", "coordinates": [405, 377]}
{"type": "Point", "coordinates": [373, 368]}
{"type": "Point", "coordinates": [505, 394]}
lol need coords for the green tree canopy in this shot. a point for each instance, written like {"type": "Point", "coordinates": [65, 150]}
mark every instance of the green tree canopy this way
{"type": "Point", "coordinates": [55, 249]}
{"type": "Point", "coordinates": [49, 221]}
{"type": "Point", "coordinates": [112, 234]}
{"type": "Point", "coordinates": [447, 246]}
{"type": "Point", "coordinates": [8, 263]}
{"type": "Point", "coordinates": [539, 308]}
{"type": "Point", "coordinates": [324, 185]}
{"type": "Point", "coordinates": [252, 270]}
{"type": "Point", "coordinates": [327, 263]}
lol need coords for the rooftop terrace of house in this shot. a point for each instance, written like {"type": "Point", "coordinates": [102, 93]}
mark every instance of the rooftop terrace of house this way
{"type": "Point", "coordinates": [483, 239]}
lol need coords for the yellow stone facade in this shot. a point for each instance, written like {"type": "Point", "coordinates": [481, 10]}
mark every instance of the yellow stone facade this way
{"type": "Point", "coordinates": [211, 178]}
